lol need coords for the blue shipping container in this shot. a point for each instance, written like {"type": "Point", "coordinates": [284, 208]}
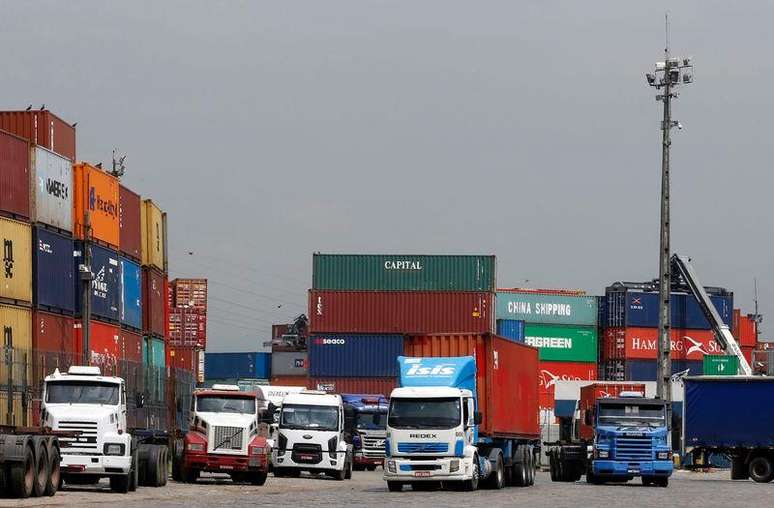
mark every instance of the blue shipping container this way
{"type": "Point", "coordinates": [248, 365]}
{"type": "Point", "coordinates": [640, 309]}
{"type": "Point", "coordinates": [511, 329]}
{"type": "Point", "coordinates": [729, 412]}
{"type": "Point", "coordinates": [106, 285]}
{"type": "Point", "coordinates": [52, 268]}
{"type": "Point", "coordinates": [645, 370]}
{"type": "Point", "coordinates": [131, 296]}
{"type": "Point", "coordinates": [344, 355]}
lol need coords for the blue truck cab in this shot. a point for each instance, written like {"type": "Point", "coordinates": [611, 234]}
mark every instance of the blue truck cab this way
{"type": "Point", "coordinates": [369, 414]}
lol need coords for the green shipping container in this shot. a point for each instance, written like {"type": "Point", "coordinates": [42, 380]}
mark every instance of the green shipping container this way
{"type": "Point", "coordinates": [153, 353]}
{"type": "Point", "coordinates": [387, 272]}
{"type": "Point", "coordinates": [721, 365]}
{"type": "Point", "coordinates": [563, 343]}
{"type": "Point", "coordinates": [545, 308]}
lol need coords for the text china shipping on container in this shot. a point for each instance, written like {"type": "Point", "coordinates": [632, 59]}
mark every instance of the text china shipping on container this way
{"type": "Point", "coordinates": [53, 276]}
{"type": "Point", "coordinates": [537, 307]}
{"type": "Point", "coordinates": [105, 284]}
{"type": "Point", "coordinates": [348, 355]}
{"type": "Point", "coordinates": [14, 176]}
{"type": "Point", "coordinates": [383, 272]}
{"type": "Point", "coordinates": [41, 128]}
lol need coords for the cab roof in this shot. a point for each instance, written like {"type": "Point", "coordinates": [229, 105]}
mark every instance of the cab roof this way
{"type": "Point", "coordinates": [436, 392]}
{"type": "Point", "coordinates": [226, 393]}
{"type": "Point", "coordinates": [313, 398]}
{"type": "Point", "coordinates": [66, 376]}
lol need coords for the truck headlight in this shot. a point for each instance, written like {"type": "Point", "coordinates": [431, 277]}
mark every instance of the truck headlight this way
{"type": "Point", "coordinates": [454, 465]}
{"type": "Point", "coordinates": [113, 449]}
{"type": "Point", "coordinates": [663, 455]}
{"type": "Point", "coordinates": [195, 447]}
{"type": "Point", "coordinates": [391, 466]}
{"type": "Point", "coordinates": [603, 454]}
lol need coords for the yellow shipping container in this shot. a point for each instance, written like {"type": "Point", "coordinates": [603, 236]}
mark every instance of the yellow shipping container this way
{"type": "Point", "coordinates": [16, 324]}
{"type": "Point", "coordinates": [21, 409]}
{"type": "Point", "coordinates": [16, 270]}
{"type": "Point", "coordinates": [154, 235]}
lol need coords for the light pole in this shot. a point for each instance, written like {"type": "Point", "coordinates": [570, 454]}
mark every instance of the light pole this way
{"type": "Point", "coordinates": [667, 76]}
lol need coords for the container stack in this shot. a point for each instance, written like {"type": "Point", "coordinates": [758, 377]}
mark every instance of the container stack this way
{"type": "Point", "coordinates": [630, 340]}
{"type": "Point", "coordinates": [155, 316]}
{"type": "Point", "coordinates": [188, 325]}
{"type": "Point", "coordinates": [130, 258]}
{"type": "Point", "coordinates": [562, 324]}
{"type": "Point", "coordinates": [365, 310]}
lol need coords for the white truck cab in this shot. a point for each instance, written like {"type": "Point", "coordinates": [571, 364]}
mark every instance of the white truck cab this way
{"type": "Point", "coordinates": [313, 435]}
{"type": "Point", "coordinates": [84, 401]}
{"type": "Point", "coordinates": [272, 396]}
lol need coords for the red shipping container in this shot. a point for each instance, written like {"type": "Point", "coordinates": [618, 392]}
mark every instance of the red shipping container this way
{"type": "Point", "coordinates": [183, 358]}
{"type": "Point", "coordinates": [187, 327]}
{"type": "Point", "coordinates": [104, 345]}
{"type": "Point", "coordinates": [506, 378]}
{"type": "Point", "coordinates": [41, 128]}
{"type": "Point", "coordinates": [289, 381]}
{"type": "Point", "coordinates": [14, 176]}
{"type": "Point", "coordinates": [551, 372]}
{"type": "Point", "coordinates": [364, 385]}
{"type": "Point", "coordinates": [589, 395]}
{"type": "Point", "coordinates": [129, 223]}
{"type": "Point", "coordinates": [191, 292]}
{"type": "Point", "coordinates": [53, 344]}
{"type": "Point", "coordinates": [154, 301]}
{"type": "Point", "coordinates": [131, 346]}
{"type": "Point", "coordinates": [417, 312]}
{"type": "Point", "coordinates": [642, 343]}
{"type": "Point", "coordinates": [745, 329]}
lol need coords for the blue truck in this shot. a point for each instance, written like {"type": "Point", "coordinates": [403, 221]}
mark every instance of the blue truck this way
{"type": "Point", "coordinates": [369, 412]}
{"type": "Point", "coordinates": [734, 416]}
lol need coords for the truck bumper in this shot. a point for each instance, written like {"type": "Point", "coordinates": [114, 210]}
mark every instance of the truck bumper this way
{"type": "Point", "coordinates": [628, 469]}
{"type": "Point", "coordinates": [397, 469]}
{"type": "Point", "coordinates": [104, 465]}
{"type": "Point", "coordinates": [325, 464]}
{"type": "Point", "coordinates": [226, 463]}
{"type": "Point", "coordinates": [368, 461]}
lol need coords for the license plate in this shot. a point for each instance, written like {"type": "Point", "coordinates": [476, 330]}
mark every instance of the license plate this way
{"type": "Point", "coordinates": [633, 471]}
{"type": "Point", "coordinates": [421, 474]}
{"type": "Point", "coordinates": [306, 457]}
{"type": "Point", "coordinates": [226, 467]}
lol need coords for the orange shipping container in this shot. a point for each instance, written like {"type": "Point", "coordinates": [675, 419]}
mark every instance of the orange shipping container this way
{"type": "Point", "coordinates": [96, 192]}
{"type": "Point", "coordinates": [289, 381]}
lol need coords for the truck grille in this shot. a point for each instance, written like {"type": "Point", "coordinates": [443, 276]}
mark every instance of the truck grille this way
{"type": "Point", "coordinates": [634, 448]}
{"type": "Point", "coordinates": [86, 442]}
{"type": "Point", "coordinates": [423, 447]}
{"type": "Point", "coordinates": [306, 454]}
{"type": "Point", "coordinates": [227, 438]}
{"type": "Point", "coordinates": [373, 447]}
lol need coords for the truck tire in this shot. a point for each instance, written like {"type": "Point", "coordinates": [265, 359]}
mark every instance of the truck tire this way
{"type": "Point", "coordinates": [258, 478]}
{"type": "Point", "coordinates": [134, 473]}
{"type": "Point", "coordinates": [348, 469]}
{"type": "Point", "coordinates": [120, 483]}
{"type": "Point", "coordinates": [41, 466]}
{"type": "Point", "coordinates": [54, 471]}
{"type": "Point", "coordinates": [371, 467]}
{"type": "Point", "coordinates": [472, 484]}
{"type": "Point", "coordinates": [190, 475]}
{"type": "Point", "coordinates": [164, 469]}
{"type": "Point", "coordinates": [761, 470]}
{"type": "Point", "coordinates": [647, 481]}
{"type": "Point", "coordinates": [661, 481]}
{"type": "Point", "coordinates": [530, 467]}
{"type": "Point", "coordinates": [496, 480]}
{"type": "Point", "coordinates": [519, 467]}
{"type": "Point", "coordinates": [739, 470]}
{"type": "Point", "coordinates": [394, 486]}
{"type": "Point", "coordinates": [358, 467]}
{"type": "Point", "coordinates": [23, 475]}
{"type": "Point", "coordinates": [152, 475]}
{"type": "Point", "coordinates": [552, 467]}
{"type": "Point", "coordinates": [592, 478]}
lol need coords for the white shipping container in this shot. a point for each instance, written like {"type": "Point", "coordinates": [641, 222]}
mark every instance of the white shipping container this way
{"type": "Point", "coordinates": [289, 363]}
{"type": "Point", "coordinates": [51, 189]}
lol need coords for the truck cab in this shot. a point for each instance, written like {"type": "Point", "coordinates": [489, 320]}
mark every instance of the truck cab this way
{"type": "Point", "coordinates": [369, 414]}
{"type": "Point", "coordinates": [273, 396]}
{"type": "Point", "coordinates": [313, 435]}
{"type": "Point", "coordinates": [225, 436]}
{"type": "Point", "coordinates": [630, 439]}
{"type": "Point", "coordinates": [93, 406]}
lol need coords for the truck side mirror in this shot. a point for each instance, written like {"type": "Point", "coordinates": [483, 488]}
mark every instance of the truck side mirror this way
{"type": "Point", "coordinates": [139, 400]}
{"type": "Point", "coordinates": [477, 418]}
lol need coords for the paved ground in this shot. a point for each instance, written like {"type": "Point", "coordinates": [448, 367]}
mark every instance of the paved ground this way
{"type": "Point", "coordinates": [367, 489]}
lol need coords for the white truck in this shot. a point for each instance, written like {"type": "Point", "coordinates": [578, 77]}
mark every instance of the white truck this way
{"type": "Point", "coordinates": [313, 435]}
{"type": "Point", "coordinates": [92, 406]}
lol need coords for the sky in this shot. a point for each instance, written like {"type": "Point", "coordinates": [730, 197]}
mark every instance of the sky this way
{"type": "Point", "coordinates": [272, 130]}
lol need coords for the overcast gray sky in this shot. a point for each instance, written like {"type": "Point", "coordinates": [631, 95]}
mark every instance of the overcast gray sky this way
{"type": "Point", "coordinates": [270, 130]}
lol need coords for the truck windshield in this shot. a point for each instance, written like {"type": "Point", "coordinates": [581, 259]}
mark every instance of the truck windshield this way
{"type": "Point", "coordinates": [298, 416]}
{"type": "Point", "coordinates": [82, 392]}
{"type": "Point", "coordinates": [370, 421]}
{"type": "Point", "coordinates": [632, 414]}
{"type": "Point", "coordinates": [424, 414]}
{"type": "Point", "coordinates": [216, 404]}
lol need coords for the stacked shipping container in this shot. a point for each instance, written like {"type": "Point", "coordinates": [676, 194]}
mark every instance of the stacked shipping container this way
{"type": "Point", "coordinates": [187, 326]}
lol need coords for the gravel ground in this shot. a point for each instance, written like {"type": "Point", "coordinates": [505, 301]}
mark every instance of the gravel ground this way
{"type": "Point", "coordinates": [368, 489]}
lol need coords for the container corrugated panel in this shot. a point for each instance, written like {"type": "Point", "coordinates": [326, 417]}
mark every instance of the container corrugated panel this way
{"type": "Point", "coordinates": [248, 365]}
{"type": "Point", "coordinates": [14, 176]}
{"type": "Point", "coordinates": [130, 241]}
{"type": "Point", "coordinates": [153, 235]}
{"type": "Point", "coordinates": [536, 307]}
{"type": "Point", "coordinates": [289, 381]}
{"type": "Point", "coordinates": [153, 303]}
{"type": "Point", "coordinates": [51, 189]}
{"type": "Point", "coordinates": [16, 270]}
{"type": "Point", "coordinates": [385, 272]}
{"type": "Point", "coordinates": [187, 327]}
{"type": "Point", "coordinates": [131, 345]}
{"type": "Point", "coordinates": [400, 312]}
{"type": "Point", "coordinates": [563, 343]}
{"type": "Point", "coordinates": [155, 352]}
{"type": "Point", "coordinates": [41, 128]}
{"type": "Point", "coordinates": [348, 355]}
{"type": "Point", "coordinates": [96, 193]}
{"type": "Point", "coordinates": [16, 324]}
{"type": "Point", "coordinates": [131, 294]}
{"type": "Point", "coordinates": [104, 343]}
{"type": "Point", "coordinates": [645, 370]}
{"type": "Point", "coordinates": [52, 271]}
{"type": "Point", "coordinates": [364, 385]}
{"type": "Point", "coordinates": [294, 363]}
{"type": "Point", "coordinates": [53, 342]}
{"type": "Point", "coordinates": [640, 309]}
{"type": "Point", "coordinates": [191, 292]}
{"type": "Point", "coordinates": [642, 343]}
{"type": "Point", "coordinates": [106, 285]}
{"type": "Point", "coordinates": [183, 358]}
{"type": "Point", "coordinates": [511, 329]}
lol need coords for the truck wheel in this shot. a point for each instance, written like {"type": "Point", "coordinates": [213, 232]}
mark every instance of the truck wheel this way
{"type": "Point", "coordinates": [41, 467]}
{"type": "Point", "coordinates": [258, 478]}
{"type": "Point", "coordinates": [648, 481]}
{"type": "Point", "coordinates": [662, 481]}
{"type": "Point", "coordinates": [278, 472]}
{"type": "Point", "coordinates": [341, 475]}
{"type": "Point", "coordinates": [394, 486]}
{"type": "Point", "coordinates": [164, 466]}
{"type": "Point", "coordinates": [358, 467]}
{"type": "Point", "coordinates": [761, 470]}
{"type": "Point", "coordinates": [133, 472]}
{"type": "Point", "coordinates": [530, 467]}
{"type": "Point", "coordinates": [371, 467]}
{"type": "Point", "coordinates": [593, 479]}
{"type": "Point", "coordinates": [552, 467]}
{"type": "Point", "coordinates": [54, 474]}
{"type": "Point", "coordinates": [472, 484]}
{"type": "Point", "coordinates": [152, 473]}
{"type": "Point", "coordinates": [120, 483]}
{"type": "Point", "coordinates": [739, 470]}
{"type": "Point", "coordinates": [177, 461]}
{"type": "Point", "coordinates": [348, 469]}
{"type": "Point", "coordinates": [496, 479]}
{"type": "Point", "coordinates": [142, 461]}
{"type": "Point", "coordinates": [23, 475]}
{"type": "Point", "coordinates": [190, 475]}
{"type": "Point", "coordinates": [519, 467]}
